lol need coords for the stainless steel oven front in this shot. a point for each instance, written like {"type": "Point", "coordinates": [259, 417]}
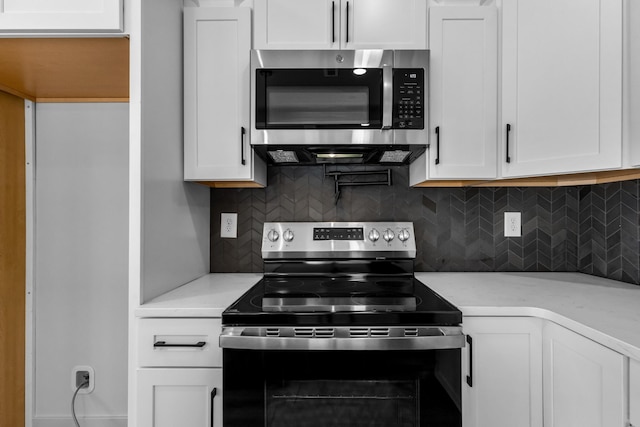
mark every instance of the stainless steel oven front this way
{"type": "Point", "coordinates": [339, 332]}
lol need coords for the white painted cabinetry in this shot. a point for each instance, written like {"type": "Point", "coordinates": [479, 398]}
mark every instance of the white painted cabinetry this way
{"type": "Point", "coordinates": [61, 16]}
{"type": "Point", "coordinates": [179, 373]}
{"type": "Point", "coordinates": [505, 371]}
{"type": "Point", "coordinates": [561, 86]}
{"type": "Point", "coordinates": [340, 24]}
{"type": "Point", "coordinates": [584, 382]}
{"type": "Point", "coordinates": [217, 42]}
{"type": "Point", "coordinates": [463, 79]}
{"type": "Point", "coordinates": [634, 393]}
{"type": "Point", "coordinates": [179, 397]}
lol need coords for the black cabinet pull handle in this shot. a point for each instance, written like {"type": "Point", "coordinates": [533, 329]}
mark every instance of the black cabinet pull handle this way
{"type": "Point", "coordinates": [508, 131]}
{"type": "Point", "coordinates": [213, 395]}
{"type": "Point", "coordinates": [164, 344]}
{"type": "Point", "coordinates": [333, 22]}
{"type": "Point", "coordinates": [242, 133]}
{"type": "Point", "coordinates": [470, 376]}
{"type": "Point", "coordinates": [347, 22]}
{"type": "Point", "coordinates": [437, 145]}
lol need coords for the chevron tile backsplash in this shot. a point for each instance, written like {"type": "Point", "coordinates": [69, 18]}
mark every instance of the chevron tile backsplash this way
{"type": "Point", "coordinates": [592, 229]}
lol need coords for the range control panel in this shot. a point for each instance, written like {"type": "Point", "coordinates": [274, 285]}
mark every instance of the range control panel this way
{"type": "Point", "coordinates": [408, 98]}
{"type": "Point", "coordinates": [344, 239]}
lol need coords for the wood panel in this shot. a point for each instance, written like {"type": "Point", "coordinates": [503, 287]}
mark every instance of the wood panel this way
{"type": "Point", "coordinates": [12, 260]}
{"type": "Point", "coordinates": [65, 69]}
{"type": "Point", "coordinates": [588, 178]}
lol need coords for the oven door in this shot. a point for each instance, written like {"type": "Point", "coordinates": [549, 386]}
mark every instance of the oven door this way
{"type": "Point", "coordinates": [322, 381]}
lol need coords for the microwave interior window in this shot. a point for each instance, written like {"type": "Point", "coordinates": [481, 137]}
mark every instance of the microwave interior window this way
{"type": "Point", "coordinates": [318, 98]}
{"type": "Point", "coordinates": [317, 105]}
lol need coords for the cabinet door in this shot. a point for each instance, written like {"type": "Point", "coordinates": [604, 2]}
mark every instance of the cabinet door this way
{"type": "Point", "coordinates": [61, 15]}
{"type": "Point", "coordinates": [296, 24]}
{"type": "Point", "coordinates": [505, 372]}
{"type": "Point", "coordinates": [583, 381]}
{"type": "Point", "coordinates": [383, 24]}
{"type": "Point", "coordinates": [217, 43]}
{"type": "Point", "coordinates": [463, 79]}
{"type": "Point", "coordinates": [634, 393]}
{"type": "Point", "coordinates": [562, 86]}
{"type": "Point", "coordinates": [179, 397]}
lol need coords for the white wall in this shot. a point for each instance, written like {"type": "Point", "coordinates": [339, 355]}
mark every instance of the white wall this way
{"type": "Point", "coordinates": [81, 249]}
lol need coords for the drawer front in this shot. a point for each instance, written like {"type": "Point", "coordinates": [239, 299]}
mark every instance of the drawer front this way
{"type": "Point", "coordinates": [173, 342]}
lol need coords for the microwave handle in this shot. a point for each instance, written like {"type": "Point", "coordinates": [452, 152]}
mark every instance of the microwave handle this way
{"type": "Point", "coordinates": [387, 96]}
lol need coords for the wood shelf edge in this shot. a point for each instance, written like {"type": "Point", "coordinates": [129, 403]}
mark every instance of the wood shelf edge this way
{"type": "Point", "coordinates": [230, 184]}
{"type": "Point", "coordinates": [587, 178]}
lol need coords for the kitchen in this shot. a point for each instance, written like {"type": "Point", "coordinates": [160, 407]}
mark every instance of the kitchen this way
{"type": "Point", "coordinates": [172, 211]}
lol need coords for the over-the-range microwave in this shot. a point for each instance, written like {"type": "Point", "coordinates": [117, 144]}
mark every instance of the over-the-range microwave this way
{"type": "Point", "coordinates": [339, 106]}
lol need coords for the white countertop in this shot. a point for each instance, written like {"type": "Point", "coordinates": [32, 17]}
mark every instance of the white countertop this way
{"type": "Point", "coordinates": [604, 310]}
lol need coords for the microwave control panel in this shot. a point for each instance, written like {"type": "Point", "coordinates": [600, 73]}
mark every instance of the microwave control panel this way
{"type": "Point", "coordinates": [408, 98]}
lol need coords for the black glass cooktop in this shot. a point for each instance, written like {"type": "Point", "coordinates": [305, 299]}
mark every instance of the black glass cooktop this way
{"type": "Point", "coordinates": [336, 301]}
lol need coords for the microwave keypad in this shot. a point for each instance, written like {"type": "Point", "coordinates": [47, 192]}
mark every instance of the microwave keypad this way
{"type": "Point", "coordinates": [408, 98]}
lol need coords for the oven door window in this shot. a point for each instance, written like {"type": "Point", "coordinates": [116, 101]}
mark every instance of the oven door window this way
{"type": "Point", "coordinates": [341, 388]}
{"type": "Point", "coordinates": [318, 99]}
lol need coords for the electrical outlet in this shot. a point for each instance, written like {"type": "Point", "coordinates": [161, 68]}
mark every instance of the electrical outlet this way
{"type": "Point", "coordinates": [229, 225]}
{"type": "Point", "coordinates": [79, 375]}
{"type": "Point", "coordinates": [512, 224]}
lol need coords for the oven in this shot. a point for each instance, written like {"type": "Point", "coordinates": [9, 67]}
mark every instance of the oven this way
{"type": "Point", "coordinates": [340, 333]}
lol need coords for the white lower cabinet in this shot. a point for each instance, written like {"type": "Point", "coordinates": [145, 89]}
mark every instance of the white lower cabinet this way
{"type": "Point", "coordinates": [180, 397]}
{"type": "Point", "coordinates": [502, 372]}
{"type": "Point", "coordinates": [634, 393]}
{"type": "Point", "coordinates": [584, 383]}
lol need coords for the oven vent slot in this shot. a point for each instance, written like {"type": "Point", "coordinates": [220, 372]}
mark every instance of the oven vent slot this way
{"type": "Point", "coordinates": [411, 332]}
{"type": "Point", "coordinates": [368, 332]}
{"type": "Point", "coordinates": [273, 332]}
{"type": "Point", "coordinates": [313, 332]}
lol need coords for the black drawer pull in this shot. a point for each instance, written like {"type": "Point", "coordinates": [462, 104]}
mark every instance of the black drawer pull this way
{"type": "Point", "coordinates": [213, 395]}
{"type": "Point", "coordinates": [164, 344]}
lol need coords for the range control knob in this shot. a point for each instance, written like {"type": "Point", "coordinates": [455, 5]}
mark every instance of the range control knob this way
{"type": "Point", "coordinates": [273, 235]}
{"type": "Point", "coordinates": [374, 235]}
{"type": "Point", "coordinates": [287, 235]}
{"type": "Point", "coordinates": [388, 235]}
{"type": "Point", "coordinates": [404, 235]}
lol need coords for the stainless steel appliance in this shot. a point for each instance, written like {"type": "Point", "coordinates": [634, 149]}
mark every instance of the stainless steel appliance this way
{"type": "Point", "coordinates": [340, 333]}
{"type": "Point", "coordinates": [349, 106]}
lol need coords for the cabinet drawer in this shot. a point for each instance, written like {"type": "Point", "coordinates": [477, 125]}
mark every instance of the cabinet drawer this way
{"type": "Point", "coordinates": [174, 342]}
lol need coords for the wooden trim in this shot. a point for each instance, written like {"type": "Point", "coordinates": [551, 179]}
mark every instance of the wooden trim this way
{"type": "Point", "coordinates": [12, 260]}
{"type": "Point", "coordinates": [64, 69]}
{"type": "Point", "coordinates": [230, 184]}
{"type": "Point", "coordinates": [72, 100]}
{"type": "Point", "coordinates": [587, 178]}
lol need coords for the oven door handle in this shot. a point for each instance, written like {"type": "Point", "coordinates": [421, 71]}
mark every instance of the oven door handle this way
{"type": "Point", "coordinates": [257, 338]}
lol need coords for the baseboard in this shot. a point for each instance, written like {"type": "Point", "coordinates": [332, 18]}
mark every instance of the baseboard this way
{"type": "Point", "coordinates": [116, 421]}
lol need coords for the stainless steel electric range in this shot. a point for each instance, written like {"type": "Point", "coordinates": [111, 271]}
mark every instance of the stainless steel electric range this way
{"type": "Point", "coordinates": [339, 332]}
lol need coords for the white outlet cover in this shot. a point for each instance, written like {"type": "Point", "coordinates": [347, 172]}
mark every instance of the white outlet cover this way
{"type": "Point", "coordinates": [512, 224]}
{"type": "Point", "coordinates": [229, 225]}
{"type": "Point", "coordinates": [92, 379]}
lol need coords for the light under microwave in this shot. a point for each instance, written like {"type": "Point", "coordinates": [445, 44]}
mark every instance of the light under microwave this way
{"type": "Point", "coordinates": [348, 106]}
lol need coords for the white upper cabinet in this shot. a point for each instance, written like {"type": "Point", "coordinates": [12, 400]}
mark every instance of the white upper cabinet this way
{"type": "Point", "coordinates": [583, 381]}
{"type": "Point", "coordinates": [217, 42]}
{"type": "Point", "coordinates": [61, 16]}
{"type": "Point", "coordinates": [340, 24]}
{"type": "Point", "coordinates": [561, 86]}
{"type": "Point", "coordinates": [502, 372]}
{"type": "Point", "coordinates": [463, 79]}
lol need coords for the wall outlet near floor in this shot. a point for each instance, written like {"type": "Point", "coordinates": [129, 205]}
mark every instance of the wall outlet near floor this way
{"type": "Point", "coordinates": [81, 374]}
{"type": "Point", "coordinates": [512, 224]}
{"type": "Point", "coordinates": [229, 225]}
